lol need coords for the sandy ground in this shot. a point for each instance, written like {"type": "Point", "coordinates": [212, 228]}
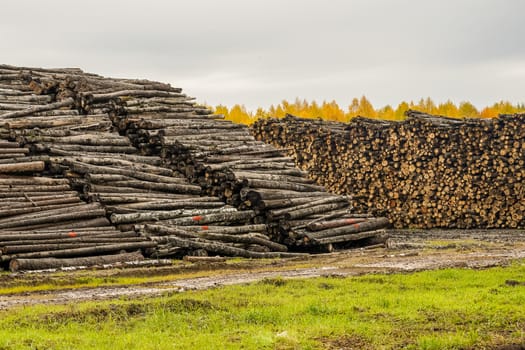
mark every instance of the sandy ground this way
{"type": "Point", "coordinates": [407, 251]}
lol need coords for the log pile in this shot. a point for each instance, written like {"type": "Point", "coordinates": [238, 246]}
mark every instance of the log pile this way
{"type": "Point", "coordinates": [105, 167]}
{"type": "Point", "coordinates": [226, 161]}
{"type": "Point", "coordinates": [43, 217]}
{"type": "Point", "coordinates": [166, 172]}
{"type": "Point", "coordinates": [427, 171]}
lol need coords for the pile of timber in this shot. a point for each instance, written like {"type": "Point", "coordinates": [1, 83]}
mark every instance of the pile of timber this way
{"type": "Point", "coordinates": [178, 177]}
{"type": "Point", "coordinates": [135, 189]}
{"type": "Point", "coordinates": [44, 223]}
{"type": "Point", "coordinates": [226, 161]}
{"type": "Point", "coordinates": [424, 172]}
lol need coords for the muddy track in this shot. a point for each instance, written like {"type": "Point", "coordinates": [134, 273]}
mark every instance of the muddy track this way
{"type": "Point", "coordinates": [404, 255]}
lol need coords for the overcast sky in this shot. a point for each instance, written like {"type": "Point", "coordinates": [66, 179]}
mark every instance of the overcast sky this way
{"type": "Point", "coordinates": [262, 51]}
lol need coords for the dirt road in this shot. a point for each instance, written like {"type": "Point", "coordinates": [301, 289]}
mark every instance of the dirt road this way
{"type": "Point", "coordinates": [407, 251]}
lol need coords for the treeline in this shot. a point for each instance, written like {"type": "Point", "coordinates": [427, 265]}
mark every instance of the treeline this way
{"type": "Point", "coordinates": [363, 107]}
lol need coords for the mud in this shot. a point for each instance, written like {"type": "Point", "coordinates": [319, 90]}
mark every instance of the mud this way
{"type": "Point", "coordinates": [407, 251]}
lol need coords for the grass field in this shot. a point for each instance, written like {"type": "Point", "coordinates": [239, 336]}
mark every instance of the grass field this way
{"type": "Point", "coordinates": [443, 309]}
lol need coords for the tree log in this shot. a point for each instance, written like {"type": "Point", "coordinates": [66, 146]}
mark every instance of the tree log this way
{"type": "Point", "coordinates": [52, 263]}
{"type": "Point", "coordinates": [82, 251]}
{"type": "Point", "coordinates": [32, 110]}
{"type": "Point", "coordinates": [22, 167]}
{"type": "Point", "coordinates": [221, 248]}
{"type": "Point", "coordinates": [369, 225]}
{"type": "Point", "coordinates": [322, 225]}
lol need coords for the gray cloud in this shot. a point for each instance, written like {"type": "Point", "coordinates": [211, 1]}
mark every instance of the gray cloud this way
{"type": "Point", "coordinates": [259, 52]}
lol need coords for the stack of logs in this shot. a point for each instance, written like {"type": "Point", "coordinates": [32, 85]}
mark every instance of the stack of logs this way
{"type": "Point", "coordinates": [45, 224]}
{"type": "Point", "coordinates": [136, 190]}
{"type": "Point", "coordinates": [226, 161]}
{"type": "Point", "coordinates": [171, 176]}
{"type": "Point", "coordinates": [427, 171]}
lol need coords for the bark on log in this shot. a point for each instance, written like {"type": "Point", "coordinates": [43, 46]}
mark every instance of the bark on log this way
{"type": "Point", "coordinates": [17, 265]}
{"type": "Point", "coordinates": [194, 215]}
{"type": "Point", "coordinates": [103, 238]}
{"type": "Point", "coordinates": [369, 225]}
{"type": "Point", "coordinates": [28, 180]}
{"type": "Point", "coordinates": [322, 225]}
{"type": "Point", "coordinates": [222, 218]}
{"type": "Point", "coordinates": [351, 237]}
{"type": "Point", "coordinates": [85, 214]}
{"type": "Point", "coordinates": [42, 247]}
{"type": "Point", "coordinates": [66, 103]}
{"type": "Point", "coordinates": [58, 234]}
{"type": "Point", "coordinates": [82, 251]}
{"type": "Point", "coordinates": [244, 238]}
{"type": "Point", "coordinates": [223, 249]}
{"type": "Point", "coordinates": [298, 211]}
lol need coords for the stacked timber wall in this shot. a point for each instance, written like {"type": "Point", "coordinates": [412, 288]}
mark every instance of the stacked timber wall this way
{"type": "Point", "coordinates": [427, 171]}
{"type": "Point", "coordinates": [92, 166]}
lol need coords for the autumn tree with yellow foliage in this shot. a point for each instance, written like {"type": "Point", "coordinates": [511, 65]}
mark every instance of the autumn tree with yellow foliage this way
{"type": "Point", "coordinates": [363, 107]}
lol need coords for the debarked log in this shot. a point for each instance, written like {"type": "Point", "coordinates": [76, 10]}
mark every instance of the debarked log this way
{"type": "Point", "coordinates": [22, 167]}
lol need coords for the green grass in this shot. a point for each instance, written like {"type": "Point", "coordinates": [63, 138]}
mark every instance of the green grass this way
{"type": "Point", "coordinates": [444, 309]}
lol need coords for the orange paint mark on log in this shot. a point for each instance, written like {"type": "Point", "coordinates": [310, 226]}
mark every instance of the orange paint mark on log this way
{"type": "Point", "coordinates": [204, 228]}
{"type": "Point", "coordinates": [72, 234]}
{"type": "Point", "coordinates": [197, 218]}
